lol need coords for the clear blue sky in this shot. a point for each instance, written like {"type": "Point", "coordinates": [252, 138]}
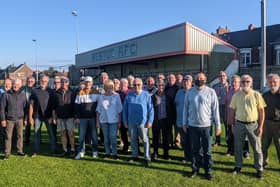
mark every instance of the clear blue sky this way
{"type": "Point", "coordinates": [103, 22]}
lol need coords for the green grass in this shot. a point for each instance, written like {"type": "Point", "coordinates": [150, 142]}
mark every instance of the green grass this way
{"type": "Point", "coordinates": [45, 170]}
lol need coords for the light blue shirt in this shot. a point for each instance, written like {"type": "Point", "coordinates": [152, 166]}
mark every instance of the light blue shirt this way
{"type": "Point", "coordinates": [138, 109]}
{"type": "Point", "coordinates": [179, 102]}
{"type": "Point", "coordinates": [200, 107]}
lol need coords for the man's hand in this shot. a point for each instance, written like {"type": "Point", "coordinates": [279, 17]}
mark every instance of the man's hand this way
{"type": "Point", "coordinates": [97, 124]}
{"type": "Point", "coordinates": [25, 123]}
{"type": "Point", "coordinates": [149, 125]}
{"type": "Point", "coordinates": [31, 121]}
{"type": "Point", "coordinates": [260, 132]}
{"type": "Point", "coordinates": [218, 132]}
{"type": "Point", "coordinates": [185, 129]}
{"type": "Point", "coordinates": [4, 123]}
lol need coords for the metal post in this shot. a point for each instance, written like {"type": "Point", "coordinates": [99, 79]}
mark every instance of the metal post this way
{"type": "Point", "coordinates": [263, 45]}
{"type": "Point", "coordinates": [75, 14]}
{"type": "Point", "coordinates": [35, 59]}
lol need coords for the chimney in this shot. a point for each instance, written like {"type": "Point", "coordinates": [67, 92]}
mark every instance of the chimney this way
{"type": "Point", "coordinates": [220, 30]}
{"type": "Point", "coordinates": [251, 27]}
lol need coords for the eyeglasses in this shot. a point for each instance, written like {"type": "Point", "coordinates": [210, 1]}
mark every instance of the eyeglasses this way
{"type": "Point", "coordinates": [136, 84]}
{"type": "Point", "coordinates": [243, 82]}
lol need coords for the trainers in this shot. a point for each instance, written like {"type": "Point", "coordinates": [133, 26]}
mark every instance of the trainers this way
{"type": "Point", "coordinates": [79, 156]}
{"type": "Point", "coordinates": [6, 157]}
{"type": "Point", "coordinates": [194, 174]}
{"type": "Point", "coordinates": [236, 170]}
{"type": "Point", "coordinates": [115, 157]}
{"type": "Point", "coordinates": [246, 155]}
{"type": "Point", "coordinates": [155, 156]}
{"type": "Point", "coordinates": [259, 174]}
{"type": "Point", "coordinates": [95, 154]}
{"type": "Point", "coordinates": [34, 155]}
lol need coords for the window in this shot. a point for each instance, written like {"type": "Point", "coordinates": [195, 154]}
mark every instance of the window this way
{"type": "Point", "coordinates": [277, 48]}
{"type": "Point", "coordinates": [245, 57]}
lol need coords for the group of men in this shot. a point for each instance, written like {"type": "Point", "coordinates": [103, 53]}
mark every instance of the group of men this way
{"type": "Point", "coordinates": [179, 111]}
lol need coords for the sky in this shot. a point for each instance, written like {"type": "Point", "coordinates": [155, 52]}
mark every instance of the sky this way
{"type": "Point", "coordinates": [102, 22]}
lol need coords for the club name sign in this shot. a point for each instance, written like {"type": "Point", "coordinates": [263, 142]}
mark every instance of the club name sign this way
{"type": "Point", "coordinates": [115, 53]}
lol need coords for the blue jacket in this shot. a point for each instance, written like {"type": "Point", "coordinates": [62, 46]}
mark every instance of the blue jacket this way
{"type": "Point", "coordinates": [138, 109]}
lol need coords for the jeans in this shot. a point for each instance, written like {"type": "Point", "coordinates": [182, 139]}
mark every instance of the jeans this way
{"type": "Point", "coordinates": [110, 137]}
{"type": "Point", "coordinates": [185, 141]}
{"type": "Point", "coordinates": [222, 110]}
{"type": "Point", "coordinates": [37, 135]}
{"type": "Point", "coordinates": [240, 132]}
{"type": "Point", "coordinates": [135, 131]}
{"type": "Point", "coordinates": [85, 125]}
{"type": "Point", "coordinates": [200, 138]}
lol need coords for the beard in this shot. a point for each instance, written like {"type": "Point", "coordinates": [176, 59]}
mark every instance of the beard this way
{"type": "Point", "coordinates": [246, 88]}
{"type": "Point", "coordinates": [274, 89]}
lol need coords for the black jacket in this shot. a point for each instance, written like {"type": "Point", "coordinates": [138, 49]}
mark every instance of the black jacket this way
{"type": "Point", "coordinates": [13, 106]}
{"type": "Point", "coordinates": [42, 102]}
{"type": "Point", "coordinates": [64, 103]}
{"type": "Point", "coordinates": [170, 92]}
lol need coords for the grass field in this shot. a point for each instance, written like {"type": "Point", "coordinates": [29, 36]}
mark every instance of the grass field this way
{"type": "Point", "coordinates": [46, 170]}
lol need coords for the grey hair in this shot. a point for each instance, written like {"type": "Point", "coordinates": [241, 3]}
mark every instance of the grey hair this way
{"type": "Point", "coordinates": [124, 80]}
{"type": "Point", "coordinates": [273, 75]}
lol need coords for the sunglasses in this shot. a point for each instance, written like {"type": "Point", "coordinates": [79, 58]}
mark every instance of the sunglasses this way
{"type": "Point", "coordinates": [136, 84]}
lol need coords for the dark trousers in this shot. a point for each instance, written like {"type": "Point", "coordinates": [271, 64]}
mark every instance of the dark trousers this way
{"type": "Point", "coordinates": [2, 138]}
{"type": "Point", "coordinates": [160, 128]}
{"type": "Point", "coordinates": [200, 138]}
{"type": "Point", "coordinates": [185, 141]}
{"type": "Point", "coordinates": [171, 122]}
{"type": "Point", "coordinates": [11, 125]}
{"type": "Point", "coordinates": [27, 133]}
{"type": "Point", "coordinates": [54, 129]}
{"type": "Point", "coordinates": [124, 137]}
{"type": "Point", "coordinates": [222, 110]}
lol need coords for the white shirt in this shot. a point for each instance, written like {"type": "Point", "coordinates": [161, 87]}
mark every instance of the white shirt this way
{"type": "Point", "coordinates": [109, 108]}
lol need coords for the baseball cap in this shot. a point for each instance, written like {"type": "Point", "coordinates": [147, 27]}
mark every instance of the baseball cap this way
{"type": "Point", "coordinates": [187, 77]}
{"type": "Point", "coordinates": [88, 79]}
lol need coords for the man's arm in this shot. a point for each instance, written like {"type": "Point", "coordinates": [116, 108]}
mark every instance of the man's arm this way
{"type": "Point", "coordinates": [216, 114]}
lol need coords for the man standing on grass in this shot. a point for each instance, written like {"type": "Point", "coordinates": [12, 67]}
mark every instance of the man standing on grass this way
{"type": "Point", "coordinates": [248, 106]}
{"type": "Point", "coordinates": [40, 111]}
{"type": "Point", "coordinates": [138, 116]}
{"type": "Point", "coordinates": [221, 89]}
{"type": "Point", "coordinates": [13, 111]}
{"type": "Point", "coordinates": [30, 82]}
{"type": "Point", "coordinates": [7, 86]}
{"type": "Point", "coordinates": [272, 117]}
{"type": "Point", "coordinates": [200, 107]}
{"type": "Point", "coordinates": [64, 102]}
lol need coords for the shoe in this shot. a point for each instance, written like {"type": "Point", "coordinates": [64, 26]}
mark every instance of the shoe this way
{"type": "Point", "coordinates": [148, 163]}
{"type": "Point", "coordinates": [265, 165]}
{"type": "Point", "coordinates": [125, 149]}
{"type": "Point", "coordinates": [34, 155]}
{"type": "Point", "coordinates": [134, 159]}
{"type": "Point", "coordinates": [246, 155]}
{"type": "Point", "coordinates": [106, 156]}
{"type": "Point", "coordinates": [259, 174]}
{"type": "Point", "coordinates": [115, 157]}
{"type": "Point", "coordinates": [72, 154]}
{"type": "Point", "coordinates": [208, 176]}
{"type": "Point", "coordinates": [229, 153]}
{"type": "Point", "coordinates": [6, 157]}
{"type": "Point", "coordinates": [95, 154]}
{"type": "Point", "coordinates": [194, 174]}
{"type": "Point", "coordinates": [236, 170]}
{"type": "Point", "coordinates": [155, 156]}
{"type": "Point", "coordinates": [166, 157]}
{"type": "Point", "coordinates": [216, 144]}
{"type": "Point", "coordinates": [20, 153]}
{"type": "Point", "coordinates": [79, 156]}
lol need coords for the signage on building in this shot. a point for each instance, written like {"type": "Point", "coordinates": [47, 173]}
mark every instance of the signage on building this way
{"type": "Point", "coordinates": [128, 49]}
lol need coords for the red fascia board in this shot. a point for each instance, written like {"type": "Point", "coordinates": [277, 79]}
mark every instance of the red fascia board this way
{"type": "Point", "coordinates": [137, 59]}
